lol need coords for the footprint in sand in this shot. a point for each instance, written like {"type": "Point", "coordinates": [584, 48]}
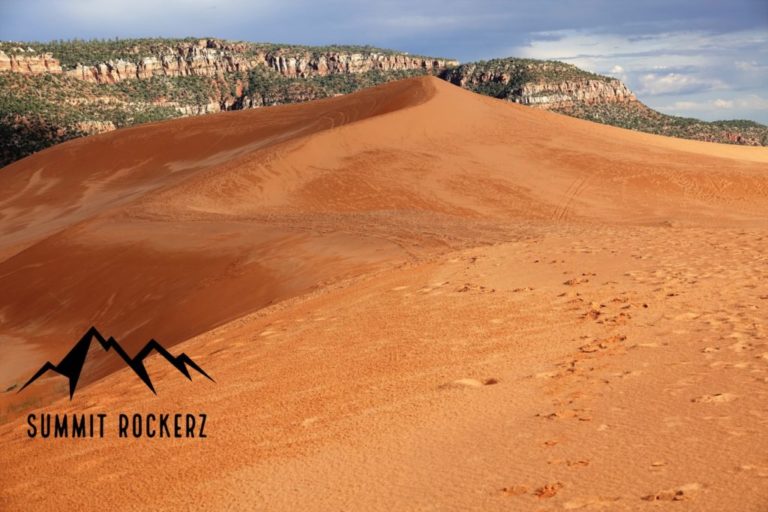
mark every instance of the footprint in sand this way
{"type": "Point", "coordinates": [620, 319]}
{"type": "Point", "coordinates": [467, 287]}
{"type": "Point", "coordinates": [717, 398]}
{"type": "Point", "coordinates": [580, 463]}
{"type": "Point", "coordinates": [684, 492]}
{"type": "Point", "coordinates": [602, 344]}
{"type": "Point", "coordinates": [471, 383]}
{"type": "Point", "coordinates": [626, 374]}
{"type": "Point", "coordinates": [741, 346]}
{"type": "Point", "coordinates": [548, 491]}
{"type": "Point", "coordinates": [592, 314]}
{"type": "Point", "coordinates": [515, 490]}
{"type": "Point", "coordinates": [579, 414]}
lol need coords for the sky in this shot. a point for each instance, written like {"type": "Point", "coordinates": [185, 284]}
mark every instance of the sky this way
{"type": "Point", "coordinates": [698, 58]}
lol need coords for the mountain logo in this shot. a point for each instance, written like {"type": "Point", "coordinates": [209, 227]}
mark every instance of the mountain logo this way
{"type": "Point", "coordinates": [72, 364]}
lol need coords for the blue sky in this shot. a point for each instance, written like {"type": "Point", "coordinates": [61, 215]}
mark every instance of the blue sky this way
{"type": "Point", "coordinates": [702, 58]}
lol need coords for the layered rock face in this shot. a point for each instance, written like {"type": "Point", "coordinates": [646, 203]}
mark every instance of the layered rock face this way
{"type": "Point", "coordinates": [566, 94]}
{"type": "Point", "coordinates": [542, 84]}
{"type": "Point", "coordinates": [210, 57]}
{"type": "Point", "coordinates": [184, 60]}
{"type": "Point", "coordinates": [330, 63]}
{"type": "Point", "coordinates": [29, 64]}
{"type": "Point", "coordinates": [526, 82]}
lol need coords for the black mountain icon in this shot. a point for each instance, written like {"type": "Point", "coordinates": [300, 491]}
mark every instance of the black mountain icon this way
{"type": "Point", "coordinates": [72, 364]}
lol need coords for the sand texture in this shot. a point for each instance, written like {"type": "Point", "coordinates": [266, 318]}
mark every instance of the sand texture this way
{"type": "Point", "coordinates": [411, 298]}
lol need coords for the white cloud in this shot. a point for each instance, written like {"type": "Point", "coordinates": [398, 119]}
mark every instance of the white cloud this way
{"type": "Point", "coordinates": [753, 101]}
{"type": "Point", "coordinates": [654, 84]}
{"type": "Point", "coordinates": [750, 66]}
{"type": "Point", "coordinates": [570, 44]}
{"type": "Point", "coordinates": [743, 107]}
{"type": "Point", "coordinates": [685, 105]}
{"type": "Point", "coordinates": [718, 103]}
{"type": "Point", "coordinates": [746, 65]}
{"type": "Point", "coordinates": [619, 72]}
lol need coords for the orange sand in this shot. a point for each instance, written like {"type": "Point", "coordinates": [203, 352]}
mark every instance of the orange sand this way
{"type": "Point", "coordinates": [411, 298]}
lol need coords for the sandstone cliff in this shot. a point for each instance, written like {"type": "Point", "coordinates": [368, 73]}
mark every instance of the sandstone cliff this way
{"type": "Point", "coordinates": [29, 63]}
{"type": "Point", "coordinates": [565, 94]}
{"type": "Point", "coordinates": [211, 57]}
{"type": "Point", "coordinates": [542, 84]}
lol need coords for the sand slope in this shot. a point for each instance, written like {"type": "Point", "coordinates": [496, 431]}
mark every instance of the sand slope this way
{"type": "Point", "coordinates": [476, 305]}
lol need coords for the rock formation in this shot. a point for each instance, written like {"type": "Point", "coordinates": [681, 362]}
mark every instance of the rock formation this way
{"type": "Point", "coordinates": [565, 94]}
{"type": "Point", "coordinates": [542, 84]}
{"type": "Point", "coordinates": [29, 63]}
{"type": "Point", "coordinates": [210, 57]}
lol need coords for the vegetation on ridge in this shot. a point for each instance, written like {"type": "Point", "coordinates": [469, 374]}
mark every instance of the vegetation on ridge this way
{"type": "Point", "coordinates": [91, 52]}
{"type": "Point", "coordinates": [641, 118]}
{"type": "Point", "coordinates": [525, 70]}
{"type": "Point", "coordinates": [37, 111]}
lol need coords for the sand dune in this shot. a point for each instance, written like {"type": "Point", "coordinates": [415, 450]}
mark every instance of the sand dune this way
{"type": "Point", "coordinates": [410, 298]}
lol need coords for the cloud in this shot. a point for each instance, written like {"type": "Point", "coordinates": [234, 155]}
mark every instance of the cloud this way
{"type": "Point", "coordinates": [751, 66]}
{"type": "Point", "coordinates": [568, 44]}
{"type": "Point", "coordinates": [685, 105]}
{"type": "Point", "coordinates": [753, 101]}
{"type": "Point", "coordinates": [718, 103]}
{"type": "Point", "coordinates": [605, 50]}
{"type": "Point", "coordinates": [654, 84]}
{"type": "Point", "coordinates": [741, 107]}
